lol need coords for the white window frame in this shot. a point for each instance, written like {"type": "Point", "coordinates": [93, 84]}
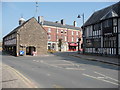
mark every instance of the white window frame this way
{"type": "Point", "coordinates": [72, 39]}
{"type": "Point", "coordinates": [77, 33]}
{"type": "Point", "coordinates": [65, 38]}
{"type": "Point", "coordinates": [72, 32]}
{"type": "Point", "coordinates": [49, 30]}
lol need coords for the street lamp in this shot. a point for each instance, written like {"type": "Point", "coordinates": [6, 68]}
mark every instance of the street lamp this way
{"type": "Point", "coordinates": [79, 16]}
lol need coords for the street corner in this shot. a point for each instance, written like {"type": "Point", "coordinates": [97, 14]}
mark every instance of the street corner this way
{"type": "Point", "coordinates": [12, 78]}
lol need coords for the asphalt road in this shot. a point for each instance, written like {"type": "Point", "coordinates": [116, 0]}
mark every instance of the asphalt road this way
{"type": "Point", "coordinates": [63, 71]}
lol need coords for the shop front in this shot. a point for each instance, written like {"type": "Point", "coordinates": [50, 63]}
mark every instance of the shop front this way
{"type": "Point", "coordinates": [72, 46]}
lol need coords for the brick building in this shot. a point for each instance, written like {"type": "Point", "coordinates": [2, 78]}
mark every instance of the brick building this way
{"type": "Point", "coordinates": [29, 36]}
{"type": "Point", "coordinates": [101, 34]}
{"type": "Point", "coordinates": [59, 30]}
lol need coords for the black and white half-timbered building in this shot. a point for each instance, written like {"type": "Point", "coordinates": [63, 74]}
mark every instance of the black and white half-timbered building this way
{"type": "Point", "coordinates": [101, 32]}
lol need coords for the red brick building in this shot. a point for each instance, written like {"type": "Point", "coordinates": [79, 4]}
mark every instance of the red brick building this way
{"type": "Point", "coordinates": [59, 30]}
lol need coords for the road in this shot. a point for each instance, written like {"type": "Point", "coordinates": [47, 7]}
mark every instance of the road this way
{"type": "Point", "coordinates": [62, 71]}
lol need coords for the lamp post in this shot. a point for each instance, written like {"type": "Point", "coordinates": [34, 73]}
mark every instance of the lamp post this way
{"type": "Point", "coordinates": [79, 39]}
{"type": "Point", "coordinates": [82, 31]}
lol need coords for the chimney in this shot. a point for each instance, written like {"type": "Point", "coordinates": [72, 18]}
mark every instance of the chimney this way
{"type": "Point", "coordinates": [40, 19]}
{"type": "Point", "coordinates": [75, 23]}
{"type": "Point", "coordinates": [57, 22]}
{"type": "Point", "coordinates": [63, 22]}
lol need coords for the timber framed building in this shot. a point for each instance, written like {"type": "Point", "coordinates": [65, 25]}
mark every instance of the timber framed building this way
{"type": "Point", "coordinates": [101, 32]}
{"type": "Point", "coordinates": [29, 36]}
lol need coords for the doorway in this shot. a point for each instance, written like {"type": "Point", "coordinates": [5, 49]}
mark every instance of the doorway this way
{"type": "Point", "coordinates": [30, 49]}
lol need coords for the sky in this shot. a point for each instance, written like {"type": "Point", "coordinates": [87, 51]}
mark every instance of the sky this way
{"type": "Point", "coordinates": [51, 11]}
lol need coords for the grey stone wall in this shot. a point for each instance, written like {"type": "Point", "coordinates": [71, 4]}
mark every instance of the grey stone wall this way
{"type": "Point", "coordinates": [32, 34]}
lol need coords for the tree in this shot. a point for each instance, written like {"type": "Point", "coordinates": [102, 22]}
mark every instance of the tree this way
{"type": "Point", "coordinates": [60, 44]}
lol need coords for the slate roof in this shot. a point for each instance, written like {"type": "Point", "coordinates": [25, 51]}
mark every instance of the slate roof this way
{"type": "Point", "coordinates": [108, 12]}
{"type": "Point", "coordinates": [48, 23]}
{"type": "Point", "coordinates": [17, 28]}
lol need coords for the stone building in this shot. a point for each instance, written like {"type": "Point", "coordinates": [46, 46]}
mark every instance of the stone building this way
{"type": "Point", "coordinates": [101, 34]}
{"type": "Point", "coordinates": [29, 36]}
{"type": "Point", "coordinates": [69, 34]}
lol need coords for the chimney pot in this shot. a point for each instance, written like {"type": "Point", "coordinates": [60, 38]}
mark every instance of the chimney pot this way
{"type": "Point", "coordinates": [75, 23]}
{"type": "Point", "coordinates": [63, 22]}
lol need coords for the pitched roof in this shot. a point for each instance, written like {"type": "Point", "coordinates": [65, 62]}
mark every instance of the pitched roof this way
{"type": "Point", "coordinates": [48, 23]}
{"type": "Point", "coordinates": [108, 12]}
{"type": "Point", "coordinates": [17, 28]}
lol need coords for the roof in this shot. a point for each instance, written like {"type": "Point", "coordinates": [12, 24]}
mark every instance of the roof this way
{"type": "Point", "coordinates": [48, 23]}
{"type": "Point", "coordinates": [17, 28]}
{"type": "Point", "coordinates": [106, 13]}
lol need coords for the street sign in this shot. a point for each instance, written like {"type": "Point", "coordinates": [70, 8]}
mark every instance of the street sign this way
{"type": "Point", "coordinates": [21, 52]}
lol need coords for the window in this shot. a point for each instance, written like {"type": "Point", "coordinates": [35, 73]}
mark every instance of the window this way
{"type": "Point", "coordinates": [76, 33]}
{"type": "Point", "coordinates": [72, 39]}
{"type": "Point", "coordinates": [65, 38]}
{"type": "Point", "coordinates": [62, 31]}
{"type": "Point", "coordinates": [76, 39]}
{"type": "Point", "coordinates": [115, 25]}
{"type": "Point", "coordinates": [72, 32]}
{"type": "Point", "coordinates": [65, 32]}
{"type": "Point", "coordinates": [114, 22]}
{"type": "Point", "coordinates": [49, 37]}
{"type": "Point", "coordinates": [49, 30]}
{"type": "Point", "coordinates": [107, 23]}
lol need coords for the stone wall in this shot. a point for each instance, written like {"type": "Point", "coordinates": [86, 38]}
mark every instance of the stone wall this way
{"type": "Point", "coordinates": [32, 34]}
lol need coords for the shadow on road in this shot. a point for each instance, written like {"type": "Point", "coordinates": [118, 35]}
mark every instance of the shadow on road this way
{"type": "Point", "coordinates": [65, 55]}
{"type": "Point", "coordinates": [3, 53]}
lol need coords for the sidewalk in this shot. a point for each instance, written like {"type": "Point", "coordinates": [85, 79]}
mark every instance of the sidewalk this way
{"type": "Point", "coordinates": [109, 60]}
{"type": "Point", "coordinates": [11, 78]}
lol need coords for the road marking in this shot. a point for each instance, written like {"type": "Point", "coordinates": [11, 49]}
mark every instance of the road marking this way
{"type": "Point", "coordinates": [75, 68]}
{"type": "Point", "coordinates": [51, 65]}
{"type": "Point", "coordinates": [100, 79]}
{"type": "Point", "coordinates": [62, 64]}
{"type": "Point", "coordinates": [23, 78]}
{"type": "Point", "coordinates": [54, 65]}
{"type": "Point", "coordinates": [107, 76]}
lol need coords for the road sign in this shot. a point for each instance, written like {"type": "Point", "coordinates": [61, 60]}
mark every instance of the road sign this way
{"type": "Point", "coordinates": [21, 52]}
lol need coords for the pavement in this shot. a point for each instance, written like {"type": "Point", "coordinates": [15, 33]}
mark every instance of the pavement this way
{"type": "Point", "coordinates": [103, 59]}
{"type": "Point", "coordinates": [11, 78]}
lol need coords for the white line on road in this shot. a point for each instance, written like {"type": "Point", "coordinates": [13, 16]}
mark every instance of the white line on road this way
{"type": "Point", "coordinates": [54, 65]}
{"type": "Point", "coordinates": [75, 68]}
{"type": "Point", "coordinates": [100, 79]}
{"type": "Point", "coordinates": [107, 76]}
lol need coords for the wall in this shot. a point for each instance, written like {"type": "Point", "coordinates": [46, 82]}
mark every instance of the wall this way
{"type": "Point", "coordinates": [32, 34]}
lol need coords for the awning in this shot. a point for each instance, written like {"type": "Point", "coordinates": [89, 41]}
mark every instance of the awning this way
{"type": "Point", "coordinates": [73, 44]}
